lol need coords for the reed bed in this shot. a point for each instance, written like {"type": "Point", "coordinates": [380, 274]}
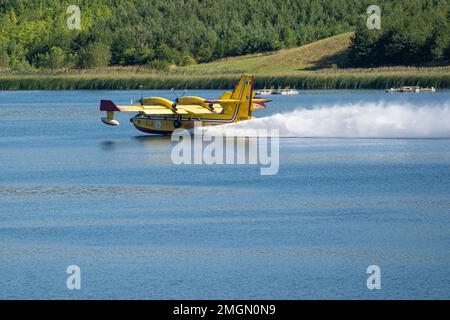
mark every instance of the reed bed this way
{"type": "Point", "coordinates": [300, 80]}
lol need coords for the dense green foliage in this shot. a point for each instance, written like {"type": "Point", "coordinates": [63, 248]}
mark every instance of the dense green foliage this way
{"type": "Point", "coordinates": [34, 33]}
{"type": "Point", "coordinates": [413, 32]}
{"type": "Point", "coordinates": [159, 33]}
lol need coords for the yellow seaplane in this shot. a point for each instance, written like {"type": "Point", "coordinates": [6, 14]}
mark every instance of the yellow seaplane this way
{"type": "Point", "coordinates": [158, 115]}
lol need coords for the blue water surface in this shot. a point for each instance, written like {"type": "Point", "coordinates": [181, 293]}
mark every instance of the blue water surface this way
{"type": "Point", "coordinates": [109, 199]}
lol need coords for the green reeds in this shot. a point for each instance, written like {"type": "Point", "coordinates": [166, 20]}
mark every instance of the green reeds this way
{"type": "Point", "coordinates": [300, 80]}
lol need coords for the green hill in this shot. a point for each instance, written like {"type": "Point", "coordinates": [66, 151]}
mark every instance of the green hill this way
{"type": "Point", "coordinates": [318, 65]}
{"type": "Point", "coordinates": [324, 53]}
{"type": "Point", "coordinates": [312, 66]}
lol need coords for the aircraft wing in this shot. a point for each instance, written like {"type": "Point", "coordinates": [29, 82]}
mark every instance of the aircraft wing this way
{"type": "Point", "coordinates": [131, 108]}
{"type": "Point", "coordinates": [223, 101]}
{"type": "Point", "coordinates": [257, 103]}
{"type": "Point", "coordinates": [157, 110]}
{"type": "Point", "coordinates": [180, 109]}
{"type": "Point", "coordinates": [193, 109]}
{"type": "Point", "coordinates": [107, 105]}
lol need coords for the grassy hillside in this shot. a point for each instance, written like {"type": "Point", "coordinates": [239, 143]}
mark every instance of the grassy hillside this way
{"type": "Point", "coordinates": [320, 54]}
{"type": "Point", "coordinates": [313, 66]}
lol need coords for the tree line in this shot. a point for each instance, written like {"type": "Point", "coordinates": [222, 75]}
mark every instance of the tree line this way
{"type": "Point", "coordinates": [159, 33]}
{"type": "Point", "coordinates": [413, 32]}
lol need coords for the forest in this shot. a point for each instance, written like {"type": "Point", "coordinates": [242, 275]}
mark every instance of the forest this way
{"type": "Point", "coordinates": [159, 33]}
{"type": "Point", "coordinates": [414, 32]}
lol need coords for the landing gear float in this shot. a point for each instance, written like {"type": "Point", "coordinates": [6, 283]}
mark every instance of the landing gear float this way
{"type": "Point", "coordinates": [158, 115]}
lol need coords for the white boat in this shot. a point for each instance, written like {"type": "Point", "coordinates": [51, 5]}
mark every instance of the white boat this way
{"type": "Point", "coordinates": [289, 92]}
{"type": "Point", "coordinates": [264, 92]}
{"type": "Point", "coordinates": [285, 92]}
{"type": "Point", "coordinates": [415, 89]}
{"type": "Point", "coordinates": [432, 89]}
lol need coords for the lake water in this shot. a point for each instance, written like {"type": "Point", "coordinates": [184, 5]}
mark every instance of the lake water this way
{"type": "Point", "coordinates": [364, 179]}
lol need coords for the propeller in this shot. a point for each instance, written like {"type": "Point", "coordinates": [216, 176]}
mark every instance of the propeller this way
{"type": "Point", "coordinates": [175, 93]}
{"type": "Point", "coordinates": [141, 100]}
{"type": "Point", "coordinates": [142, 95]}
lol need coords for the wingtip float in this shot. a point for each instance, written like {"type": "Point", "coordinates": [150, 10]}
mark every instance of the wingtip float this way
{"type": "Point", "coordinates": [158, 115]}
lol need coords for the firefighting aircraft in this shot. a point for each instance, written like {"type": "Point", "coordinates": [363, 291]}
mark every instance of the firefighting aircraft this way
{"type": "Point", "coordinates": [158, 115]}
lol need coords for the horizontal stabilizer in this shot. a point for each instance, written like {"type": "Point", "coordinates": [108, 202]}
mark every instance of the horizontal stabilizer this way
{"type": "Point", "coordinates": [259, 103]}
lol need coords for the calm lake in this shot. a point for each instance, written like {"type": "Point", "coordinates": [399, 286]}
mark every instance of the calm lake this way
{"type": "Point", "coordinates": [364, 179]}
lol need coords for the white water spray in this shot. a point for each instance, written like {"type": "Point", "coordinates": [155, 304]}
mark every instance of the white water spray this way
{"type": "Point", "coordinates": [367, 120]}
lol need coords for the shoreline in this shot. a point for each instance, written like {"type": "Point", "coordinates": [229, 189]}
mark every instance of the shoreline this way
{"type": "Point", "coordinates": [335, 79]}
